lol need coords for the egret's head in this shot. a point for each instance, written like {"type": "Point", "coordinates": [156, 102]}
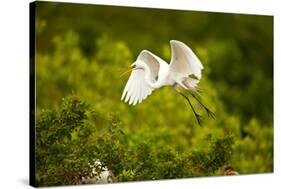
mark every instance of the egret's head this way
{"type": "Point", "coordinates": [136, 65]}
{"type": "Point", "coordinates": [139, 65]}
{"type": "Point", "coordinates": [129, 69]}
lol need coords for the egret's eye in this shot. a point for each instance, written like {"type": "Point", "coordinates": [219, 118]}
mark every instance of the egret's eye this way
{"type": "Point", "coordinates": [133, 66]}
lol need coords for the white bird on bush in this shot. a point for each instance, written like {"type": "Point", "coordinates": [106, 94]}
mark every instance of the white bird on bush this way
{"type": "Point", "coordinates": [150, 72]}
{"type": "Point", "coordinates": [99, 175]}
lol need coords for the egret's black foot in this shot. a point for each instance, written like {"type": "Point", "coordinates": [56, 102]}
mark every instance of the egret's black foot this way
{"type": "Point", "coordinates": [210, 113]}
{"type": "Point", "coordinates": [198, 118]}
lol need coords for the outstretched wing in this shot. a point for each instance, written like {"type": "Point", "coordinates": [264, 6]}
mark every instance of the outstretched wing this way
{"type": "Point", "coordinates": [152, 61]}
{"type": "Point", "coordinates": [137, 89]}
{"type": "Point", "coordinates": [184, 62]}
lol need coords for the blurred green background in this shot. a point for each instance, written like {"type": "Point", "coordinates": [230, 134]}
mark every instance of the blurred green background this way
{"type": "Point", "coordinates": [83, 49]}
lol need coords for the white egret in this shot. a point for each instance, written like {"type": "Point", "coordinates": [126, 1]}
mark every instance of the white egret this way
{"type": "Point", "coordinates": [150, 72]}
{"type": "Point", "coordinates": [99, 175]}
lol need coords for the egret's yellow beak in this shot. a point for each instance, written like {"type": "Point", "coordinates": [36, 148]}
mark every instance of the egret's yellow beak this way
{"type": "Point", "coordinates": [130, 68]}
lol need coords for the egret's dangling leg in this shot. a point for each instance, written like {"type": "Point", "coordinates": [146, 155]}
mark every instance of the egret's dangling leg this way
{"type": "Point", "coordinates": [198, 117]}
{"type": "Point", "coordinates": [191, 91]}
{"type": "Point", "coordinates": [210, 113]}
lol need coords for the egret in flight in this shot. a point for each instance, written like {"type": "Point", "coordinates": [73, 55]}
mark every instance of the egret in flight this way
{"type": "Point", "coordinates": [150, 72]}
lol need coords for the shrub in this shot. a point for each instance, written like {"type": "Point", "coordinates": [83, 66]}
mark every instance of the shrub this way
{"type": "Point", "coordinates": [68, 142]}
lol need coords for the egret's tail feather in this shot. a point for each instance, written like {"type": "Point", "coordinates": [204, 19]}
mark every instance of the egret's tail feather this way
{"type": "Point", "coordinates": [198, 91]}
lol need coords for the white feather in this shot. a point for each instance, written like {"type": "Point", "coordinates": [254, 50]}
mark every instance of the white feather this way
{"type": "Point", "coordinates": [142, 83]}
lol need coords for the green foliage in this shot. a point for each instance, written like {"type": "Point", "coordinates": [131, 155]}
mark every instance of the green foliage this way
{"type": "Point", "coordinates": [158, 138]}
{"type": "Point", "coordinates": [67, 144]}
{"type": "Point", "coordinates": [63, 146]}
